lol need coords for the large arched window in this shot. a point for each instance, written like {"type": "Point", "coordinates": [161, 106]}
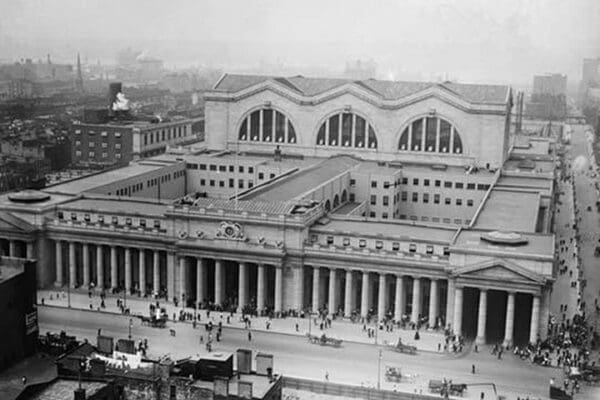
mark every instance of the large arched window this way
{"type": "Point", "coordinates": [432, 135]}
{"type": "Point", "coordinates": [267, 125]}
{"type": "Point", "coordinates": [347, 129]}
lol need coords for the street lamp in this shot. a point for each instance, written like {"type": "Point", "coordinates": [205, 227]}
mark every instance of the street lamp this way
{"type": "Point", "coordinates": [379, 371]}
{"type": "Point", "coordinates": [130, 326]}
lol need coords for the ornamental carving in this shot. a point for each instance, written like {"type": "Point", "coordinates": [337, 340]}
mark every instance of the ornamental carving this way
{"type": "Point", "coordinates": [230, 231]}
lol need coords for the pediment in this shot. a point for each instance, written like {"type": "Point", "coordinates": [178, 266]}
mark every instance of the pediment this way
{"type": "Point", "coordinates": [9, 222]}
{"type": "Point", "coordinates": [499, 269]}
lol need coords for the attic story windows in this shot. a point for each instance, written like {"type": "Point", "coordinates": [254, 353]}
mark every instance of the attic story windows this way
{"type": "Point", "coordinates": [267, 125]}
{"type": "Point", "coordinates": [431, 134]}
{"type": "Point", "coordinates": [347, 130]}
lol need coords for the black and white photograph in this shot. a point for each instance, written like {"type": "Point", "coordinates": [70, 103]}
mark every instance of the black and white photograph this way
{"type": "Point", "coordinates": [299, 200]}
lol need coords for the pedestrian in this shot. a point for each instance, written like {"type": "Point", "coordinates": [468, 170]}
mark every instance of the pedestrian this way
{"type": "Point", "coordinates": [473, 369]}
{"type": "Point", "coordinates": [326, 376]}
{"type": "Point", "coordinates": [24, 380]}
{"type": "Point", "coordinates": [297, 327]}
{"type": "Point", "coordinates": [249, 336]}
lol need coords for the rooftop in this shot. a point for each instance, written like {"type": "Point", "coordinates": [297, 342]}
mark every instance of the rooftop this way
{"type": "Point", "coordinates": [386, 90]}
{"type": "Point", "coordinates": [60, 389]}
{"type": "Point", "coordinates": [8, 272]}
{"type": "Point", "coordinates": [394, 229]}
{"type": "Point", "coordinates": [510, 210]}
{"type": "Point", "coordinates": [537, 244]}
{"type": "Point", "coordinates": [260, 384]}
{"type": "Point", "coordinates": [119, 205]}
{"type": "Point", "coordinates": [304, 180]}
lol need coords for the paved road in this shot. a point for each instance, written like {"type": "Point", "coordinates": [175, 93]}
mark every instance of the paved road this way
{"type": "Point", "coordinates": [354, 363]}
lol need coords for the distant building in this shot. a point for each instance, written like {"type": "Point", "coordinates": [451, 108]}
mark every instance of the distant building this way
{"type": "Point", "coordinates": [360, 69]}
{"type": "Point", "coordinates": [589, 91]}
{"type": "Point", "coordinates": [549, 97]}
{"type": "Point", "coordinates": [19, 328]}
{"type": "Point", "coordinates": [71, 388]}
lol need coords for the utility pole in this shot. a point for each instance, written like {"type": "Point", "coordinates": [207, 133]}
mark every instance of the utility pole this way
{"type": "Point", "coordinates": [379, 371]}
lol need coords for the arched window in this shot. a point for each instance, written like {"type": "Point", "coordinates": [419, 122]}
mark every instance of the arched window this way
{"type": "Point", "coordinates": [267, 125]}
{"type": "Point", "coordinates": [347, 129]}
{"type": "Point", "coordinates": [432, 135]}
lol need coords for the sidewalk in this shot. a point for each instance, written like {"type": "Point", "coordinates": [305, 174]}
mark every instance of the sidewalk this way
{"type": "Point", "coordinates": [343, 329]}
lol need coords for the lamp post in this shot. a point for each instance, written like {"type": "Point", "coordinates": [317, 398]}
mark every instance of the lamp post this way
{"type": "Point", "coordinates": [379, 371]}
{"type": "Point", "coordinates": [130, 326]}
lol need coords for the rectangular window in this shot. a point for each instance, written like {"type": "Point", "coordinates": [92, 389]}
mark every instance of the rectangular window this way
{"type": "Point", "coordinates": [117, 146]}
{"type": "Point", "coordinates": [405, 181]}
{"type": "Point", "coordinates": [271, 176]}
{"type": "Point", "coordinates": [372, 214]}
{"type": "Point", "coordinates": [352, 182]}
{"type": "Point", "coordinates": [402, 216]}
{"type": "Point", "coordinates": [469, 203]}
{"type": "Point", "coordinates": [395, 246]}
{"type": "Point", "coordinates": [202, 167]}
{"type": "Point", "coordinates": [448, 184]}
{"type": "Point", "coordinates": [446, 251]}
{"type": "Point", "coordinates": [425, 182]}
{"type": "Point", "coordinates": [128, 221]}
{"type": "Point", "coordinates": [373, 199]}
{"type": "Point", "coordinates": [92, 154]}
{"type": "Point", "coordinates": [86, 217]}
{"type": "Point", "coordinates": [378, 244]}
{"type": "Point", "coordinates": [458, 221]}
{"type": "Point", "coordinates": [232, 168]}
{"type": "Point", "coordinates": [142, 223]}
{"type": "Point", "coordinates": [373, 184]}
{"type": "Point", "coordinates": [157, 223]}
{"type": "Point", "coordinates": [346, 242]}
{"type": "Point", "coordinates": [202, 182]}
{"type": "Point", "coordinates": [114, 220]}
{"type": "Point", "coordinates": [250, 184]}
{"type": "Point", "coordinates": [212, 182]}
{"type": "Point", "coordinates": [459, 202]}
{"type": "Point", "coordinates": [329, 239]}
{"type": "Point", "coordinates": [117, 134]}
{"type": "Point", "coordinates": [261, 175]}
{"type": "Point", "coordinates": [100, 219]}
{"type": "Point", "coordinates": [384, 215]}
{"type": "Point", "coordinates": [458, 185]}
{"type": "Point", "coordinates": [438, 183]}
{"type": "Point", "coordinates": [240, 184]}
{"type": "Point", "coordinates": [412, 248]}
{"type": "Point", "coordinates": [416, 181]}
{"type": "Point", "coordinates": [73, 217]}
{"type": "Point", "coordinates": [470, 186]}
{"type": "Point", "coordinates": [231, 182]}
{"type": "Point", "coordinates": [483, 187]}
{"type": "Point", "coordinates": [212, 167]}
{"type": "Point", "coordinates": [446, 220]}
{"type": "Point", "coordinates": [429, 249]}
{"type": "Point", "coordinates": [448, 200]}
{"type": "Point", "coordinates": [435, 219]}
{"type": "Point", "coordinates": [425, 197]}
{"type": "Point", "coordinates": [92, 144]}
{"type": "Point", "coordinates": [222, 168]}
{"type": "Point", "coordinates": [436, 199]}
{"type": "Point", "coordinates": [351, 197]}
{"type": "Point", "coordinates": [415, 197]}
{"type": "Point", "coordinates": [221, 183]}
{"type": "Point", "coordinates": [362, 243]}
{"type": "Point", "coordinates": [386, 200]}
{"type": "Point", "coordinates": [404, 196]}
{"type": "Point", "coordinates": [386, 185]}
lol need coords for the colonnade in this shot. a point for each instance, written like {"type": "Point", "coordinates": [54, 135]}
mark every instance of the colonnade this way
{"type": "Point", "coordinates": [15, 244]}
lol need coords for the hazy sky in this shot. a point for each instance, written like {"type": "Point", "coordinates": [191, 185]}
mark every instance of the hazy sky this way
{"type": "Point", "coordinates": [469, 40]}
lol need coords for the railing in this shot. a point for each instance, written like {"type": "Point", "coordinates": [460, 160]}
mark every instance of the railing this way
{"type": "Point", "coordinates": [350, 391]}
{"type": "Point", "coordinates": [377, 253]}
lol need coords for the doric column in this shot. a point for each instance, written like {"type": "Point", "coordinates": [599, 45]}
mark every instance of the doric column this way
{"type": "Point", "coordinates": [299, 286]}
{"type": "Point", "coordinates": [544, 313]}
{"type": "Point", "coordinates": [182, 280]}
{"type": "Point", "coordinates": [381, 298]}
{"type": "Point", "coordinates": [29, 250]}
{"type": "Point", "coordinates": [113, 268]}
{"type": "Point", "coordinates": [156, 272]}
{"type": "Point", "coordinates": [142, 270]}
{"type": "Point", "coordinates": [481, 317]}
{"type": "Point", "coordinates": [12, 248]}
{"type": "Point", "coordinates": [510, 319]}
{"type": "Point", "coordinates": [242, 285]}
{"type": "Point", "coordinates": [348, 294]}
{"type": "Point", "coordinates": [316, 301]}
{"type": "Point", "coordinates": [59, 263]}
{"type": "Point", "coordinates": [219, 281]}
{"type": "Point", "coordinates": [458, 306]}
{"type": "Point", "coordinates": [260, 288]}
{"type": "Point", "coordinates": [450, 292]}
{"type": "Point", "coordinates": [99, 268]}
{"type": "Point", "coordinates": [278, 288]}
{"type": "Point", "coordinates": [72, 266]}
{"type": "Point", "coordinates": [85, 251]}
{"type": "Point", "coordinates": [171, 274]}
{"type": "Point", "coordinates": [416, 300]}
{"type": "Point", "coordinates": [399, 299]}
{"type": "Point", "coordinates": [332, 287]}
{"type": "Point", "coordinates": [200, 280]}
{"type": "Point", "coordinates": [433, 303]}
{"type": "Point", "coordinates": [535, 318]}
{"type": "Point", "coordinates": [364, 295]}
{"type": "Point", "coordinates": [128, 269]}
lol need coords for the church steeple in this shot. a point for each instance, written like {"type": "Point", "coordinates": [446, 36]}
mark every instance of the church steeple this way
{"type": "Point", "coordinates": [79, 78]}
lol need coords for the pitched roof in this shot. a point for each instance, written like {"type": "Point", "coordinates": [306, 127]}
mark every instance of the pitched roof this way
{"type": "Point", "coordinates": [387, 90]}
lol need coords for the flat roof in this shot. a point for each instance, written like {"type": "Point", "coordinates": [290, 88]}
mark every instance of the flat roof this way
{"type": "Point", "coordinates": [346, 208]}
{"type": "Point", "coordinates": [91, 182]}
{"type": "Point", "coordinates": [509, 210]}
{"type": "Point", "coordinates": [304, 180]}
{"type": "Point", "coordinates": [61, 389]}
{"type": "Point", "coordinates": [6, 203]}
{"type": "Point", "coordinates": [525, 182]}
{"type": "Point", "coordinates": [7, 272]}
{"type": "Point", "coordinates": [260, 384]}
{"type": "Point", "coordinates": [540, 165]}
{"type": "Point", "coordinates": [394, 229]}
{"type": "Point", "coordinates": [119, 205]}
{"type": "Point", "coordinates": [538, 244]}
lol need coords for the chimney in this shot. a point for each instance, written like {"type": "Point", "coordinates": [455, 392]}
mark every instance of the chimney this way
{"type": "Point", "coordinates": [79, 394]}
{"type": "Point", "coordinates": [244, 361]}
{"type": "Point", "coordinates": [113, 89]}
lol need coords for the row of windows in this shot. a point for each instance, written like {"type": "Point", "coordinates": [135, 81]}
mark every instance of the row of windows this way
{"type": "Point", "coordinates": [347, 130]}
{"type": "Point", "coordinates": [165, 134]}
{"type": "Point", "coordinates": [267, 125]}
{"type": "Point", "coordinates": [456, 221]}
{"type": "Point", "coordinates": [436, 199]}
{"type": "Point", "coordinates": [380, 244]}
{"type": "Point", "coordinates": [104, 145]}
{"type": "Point", "coordinates": [432, 135]}
{"type": "Point", "coordinates": [114, 220]}
{"type": "Point", "coordinates": [116, 135]}
{"type": "Point", "coordinates": [92, 154]}
{"type": "Point", "coordinates": [447, 184]}
{"type": "Point", "coordinates": [221, 183]}
{"type": "Point", "coordinates": [220, 168]}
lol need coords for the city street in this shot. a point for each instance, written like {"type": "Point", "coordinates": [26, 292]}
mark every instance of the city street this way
{"type": "Point", "coordinates": [354, 363]}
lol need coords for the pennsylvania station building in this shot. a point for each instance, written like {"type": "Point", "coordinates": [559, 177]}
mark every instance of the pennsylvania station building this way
{"type": "Point", "coordinates": [392, 199]}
